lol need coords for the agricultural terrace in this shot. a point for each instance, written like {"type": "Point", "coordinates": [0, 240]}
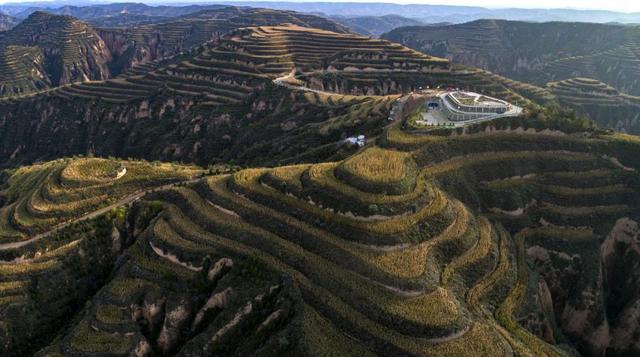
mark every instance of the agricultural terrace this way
{"type": "Point", "coordinates": [62, 226]}
{"type": "Point", "coordinates": [37, 198]}
{"type": "Point", "coordinates": [390, 244]}
{"type": "Point", "coordinates": [224, 73]}
{"type": "Point", "coordinates": [380, 171]}
{"type": "Point", "coordinates": [416, 245]}
{"type": "Point", "coordinates": [605, 104]}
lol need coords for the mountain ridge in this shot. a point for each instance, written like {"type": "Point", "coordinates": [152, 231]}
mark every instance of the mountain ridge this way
{"type": "Point", "coordinates": [103, 53]}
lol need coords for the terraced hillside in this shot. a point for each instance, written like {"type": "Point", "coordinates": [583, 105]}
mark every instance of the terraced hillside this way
{"type": "Point", "coordinates": [59, 237]}
{"type": "Point", "coordinates": [46, 50]}
{"type": "Point", "coordinates": [56, 50]}
{"type": "Point", "coordinates": [143, 43]}
{"type": "Point", "coordinates": [534, 52]}
{"type": "Point", "coordinates": [225, 72]}
{"type": "Point", "coordinates": [542, 53]}
{"type": "Point", "coordinates": [235, 98]}
{"type": "Point", "coordinates": [600, 101]}
{"type": "Point", "coordinates": [419, 244]}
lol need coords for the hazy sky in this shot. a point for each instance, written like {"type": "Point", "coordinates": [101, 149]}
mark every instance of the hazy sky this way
{"type": "Point", "coordinates": [614, 5]}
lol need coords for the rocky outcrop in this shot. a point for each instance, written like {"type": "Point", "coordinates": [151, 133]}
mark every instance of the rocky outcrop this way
{"type": "Point", "coordinates": [595, 304]}
{"type": "Point", "coordinates": [620, 266]}
{"type": "Point", "coordinates": [176, 322]}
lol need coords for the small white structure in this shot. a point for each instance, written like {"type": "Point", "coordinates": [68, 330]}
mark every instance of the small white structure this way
{"type": "Point", "coordinates": [359, 140]}
{"type": "Point", "coordinates": [121, 172]}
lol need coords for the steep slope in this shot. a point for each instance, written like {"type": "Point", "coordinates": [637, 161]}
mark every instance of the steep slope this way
{"type": "Point", "coordinates": [416, 245]}
{"type": "Point", "coordinates": [535, 52]}
{"type": "Point", "coordinates": [22, 69]}
{"type": "Point", "coordinates": [56, 50]}
{"type": "Point", "coordinates": [53, 50]}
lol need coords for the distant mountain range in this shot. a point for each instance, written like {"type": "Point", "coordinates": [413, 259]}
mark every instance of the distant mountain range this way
{"type": "Point", "coordinates": [445, 13]}
{"type": "Point", "coordinates": [86, 10]}
{"type": "Point", "coordinates": [375, 25]}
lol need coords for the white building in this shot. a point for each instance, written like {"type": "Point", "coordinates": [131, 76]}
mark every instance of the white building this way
{"type": "Point", "coordinates": [457, 108]}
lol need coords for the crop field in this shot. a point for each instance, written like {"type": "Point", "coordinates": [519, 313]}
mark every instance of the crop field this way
{"type": "Point", "coordinates": [380, 171]}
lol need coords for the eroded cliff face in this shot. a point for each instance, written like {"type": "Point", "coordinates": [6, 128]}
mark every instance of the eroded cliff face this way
{"type": "Point", "coordinates": [60, 127]}
{"type": "Point", "coordinates": [273, 125]}
{"type": "Point", "coordinates": [48, 50]}
{"type": "Point", "coordinates": [126, 51]}
{"type": "Point", "coordinates": [594, 299]}
{"type": "Point", "coordinates": [341, 83]}
{"type": "Point", "coordinates": [91, 64]}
